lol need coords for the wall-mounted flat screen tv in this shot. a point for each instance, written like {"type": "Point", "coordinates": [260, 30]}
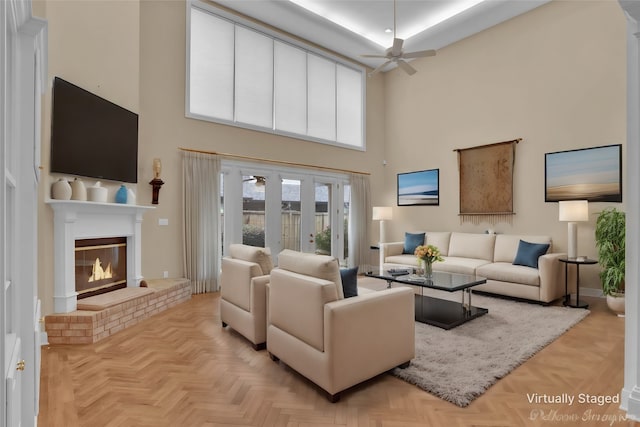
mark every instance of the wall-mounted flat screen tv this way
{"type": "Point", "coordinates": [91, 136]}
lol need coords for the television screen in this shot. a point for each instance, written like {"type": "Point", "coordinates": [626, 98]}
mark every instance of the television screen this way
{"type": "Point", "coordinates": [91, 136]}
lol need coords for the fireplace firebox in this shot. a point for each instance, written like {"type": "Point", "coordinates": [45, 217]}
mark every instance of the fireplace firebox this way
{"type": "Point", "coordinates": [100, 265]}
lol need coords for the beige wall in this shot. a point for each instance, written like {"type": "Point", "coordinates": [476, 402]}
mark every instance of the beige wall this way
{"type": "Point", "coordinates": [96, 45]}
{"type": "Point", "coordinates": [555, 77]}
{"type": "Point", "coordinates": [133, 53]}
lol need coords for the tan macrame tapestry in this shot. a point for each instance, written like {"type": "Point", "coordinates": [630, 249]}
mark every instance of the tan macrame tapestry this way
{"type": "Point", "coordinates": [486, 182]}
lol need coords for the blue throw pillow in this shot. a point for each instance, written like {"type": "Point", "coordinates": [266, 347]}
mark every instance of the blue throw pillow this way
{"type": "Point", "coordinates": [411, 242]}
{"type": "Point", "coordinates": [349, 278]}
{"type": "Point", "coordinates": [528, 253]}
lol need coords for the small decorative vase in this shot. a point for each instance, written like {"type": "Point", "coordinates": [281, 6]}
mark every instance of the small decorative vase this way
{"type": "Point", "coordinates": [121, 194]}
{"type": "Point", "coordinates": [61, 190]}
{"type": "Point", "coordinates": [96, 193]}
{"type": "Point", "coordinates": [131, 197]}
{"type": "Point", "coordinates": [428, 269]}
{"type": "Point", "coordinates": [78, 190]}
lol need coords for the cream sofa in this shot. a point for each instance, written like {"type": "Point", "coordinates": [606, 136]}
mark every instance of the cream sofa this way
{"type": "Point", "coordinates": [333, 341]}
{"type": "Point", "coordinates": [490, 256]}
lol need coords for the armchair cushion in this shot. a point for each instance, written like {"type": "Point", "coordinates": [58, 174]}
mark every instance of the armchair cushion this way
{"type": "Point", "coordinates": [412, 241]}
{"type": "Point", "coordinates": [349, 278]}
{"type": "Point", "coordinates": [261, 256]}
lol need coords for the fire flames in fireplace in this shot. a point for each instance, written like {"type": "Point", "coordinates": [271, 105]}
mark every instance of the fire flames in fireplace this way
{"type": "Point", "coordinates": [101, 265]}
{"type": "Point", "coordinates": [98, 273]}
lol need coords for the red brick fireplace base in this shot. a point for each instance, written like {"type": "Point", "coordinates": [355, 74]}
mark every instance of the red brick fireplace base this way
{"type": "Point", "coordinates": [125, 309]}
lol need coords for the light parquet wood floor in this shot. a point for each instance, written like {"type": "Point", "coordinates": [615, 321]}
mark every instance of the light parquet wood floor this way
{"type": "Point", "coordinates": [180, 368]}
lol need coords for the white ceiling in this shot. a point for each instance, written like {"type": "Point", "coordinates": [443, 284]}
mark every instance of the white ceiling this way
{"type": "Point", "coordinates": [355, 27]}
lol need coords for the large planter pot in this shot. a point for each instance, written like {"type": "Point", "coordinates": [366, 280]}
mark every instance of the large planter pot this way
{"type": "Point", "coordinates": [616, 304]}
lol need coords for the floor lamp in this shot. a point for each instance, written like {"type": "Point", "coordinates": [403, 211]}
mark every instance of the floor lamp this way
{"type": "Point", "coordinates": [382, 214]}
{"type": "Point", "coordinates": [573, 211]}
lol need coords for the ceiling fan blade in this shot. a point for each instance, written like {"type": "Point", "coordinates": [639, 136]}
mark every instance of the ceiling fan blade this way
{"type": "Point", "coordinates": [406, 67]}
{"type": "Point", "coordinates": [396, 49]}
{"type": "Point", "coordinates": [372, 56]}
{"type": "Point", "coordinates": [379, 68]}
{"type": "Point", "coordinates": [419, 54]}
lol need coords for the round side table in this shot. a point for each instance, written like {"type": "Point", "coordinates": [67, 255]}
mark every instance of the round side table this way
{"type": "Point", "coordinates": [577, 262]}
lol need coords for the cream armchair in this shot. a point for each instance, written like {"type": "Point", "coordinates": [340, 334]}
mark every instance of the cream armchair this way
{"type": "Point", "coordinates": [243, 281]}
{"type": "Point", "coordinates": [335, 342]}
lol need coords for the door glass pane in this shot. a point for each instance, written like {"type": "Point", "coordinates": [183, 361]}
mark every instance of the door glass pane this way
{"type": "Point", "coordinates": [322, 220]}
{"type": "Point", "coordinates": [221, 214]}
{"type": "Point", "coordinates": [347, 203]}
{"type": "Point", "coordinates": [290, 214]}
{"type": "Point", "coordinates": [253, 218]}
{"type": "Point", "coordinates": [9, 286]}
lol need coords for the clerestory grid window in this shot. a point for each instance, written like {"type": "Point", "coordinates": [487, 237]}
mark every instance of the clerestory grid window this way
{"type": "Point", "coordinates": [246, 76]}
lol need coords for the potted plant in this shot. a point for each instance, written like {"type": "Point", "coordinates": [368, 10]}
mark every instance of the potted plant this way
{"type": "Point", "coordinates": [610, 241]}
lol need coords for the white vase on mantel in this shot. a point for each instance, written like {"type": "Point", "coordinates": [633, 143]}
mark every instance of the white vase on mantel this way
{"type": "Point", "coordinates": [131, 197]}
{"type": "Point", "coordinates": [78, 190]}
{"type": "Point", "coordinates": [61, 190]}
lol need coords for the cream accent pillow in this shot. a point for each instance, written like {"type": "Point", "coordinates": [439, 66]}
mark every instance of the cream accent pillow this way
{"type": "Point", "coordinates": [261, 256]}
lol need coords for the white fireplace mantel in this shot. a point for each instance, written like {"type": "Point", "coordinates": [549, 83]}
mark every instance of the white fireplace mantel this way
{"type": "Point", "coordinates": [75, 220]}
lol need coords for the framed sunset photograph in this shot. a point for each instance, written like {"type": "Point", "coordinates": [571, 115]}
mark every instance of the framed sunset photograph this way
{"type": "Point", "coordinates": [593, 174]}
{"type": "Point", "coordinates": [419, 188]}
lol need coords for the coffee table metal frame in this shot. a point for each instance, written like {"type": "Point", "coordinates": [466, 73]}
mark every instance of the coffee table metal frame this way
{"type": "Point", "coordinates": [438, 312]}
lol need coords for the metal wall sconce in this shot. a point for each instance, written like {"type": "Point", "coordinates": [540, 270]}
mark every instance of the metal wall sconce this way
{"type": "Point", "coordinates": [156, 182]}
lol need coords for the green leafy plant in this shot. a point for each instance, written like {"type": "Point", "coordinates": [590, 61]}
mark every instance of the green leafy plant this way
{"type": "Point", "coordinates": [323, 241]}
{"type": "Point", "coordinates": [252, 235]}
{"type": "Point", "coordinates": [610, 241]}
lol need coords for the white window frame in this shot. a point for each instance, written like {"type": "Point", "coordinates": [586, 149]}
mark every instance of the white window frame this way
{"type": "Point", "coordinates": [239, 21]}
{"type": "Point", "coordinates": [234, 170]}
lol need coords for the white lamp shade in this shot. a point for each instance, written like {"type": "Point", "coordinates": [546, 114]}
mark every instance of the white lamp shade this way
{"type": "Point", "coordinates": [381, 213]}
{"type": "Point", "coordinates": [574, 210]}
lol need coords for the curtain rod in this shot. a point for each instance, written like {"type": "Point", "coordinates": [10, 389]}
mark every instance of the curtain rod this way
{"type": "Point", "coordinates": [517, 140]}
{"type": "Point", "coordinates": [278, 162]}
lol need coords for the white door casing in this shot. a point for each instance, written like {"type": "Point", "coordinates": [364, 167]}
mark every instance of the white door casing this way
{"type": "Point", "coordinates": [22, 81]}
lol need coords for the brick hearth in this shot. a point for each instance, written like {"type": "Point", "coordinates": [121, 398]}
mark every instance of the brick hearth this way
{"type": "Point", "coordinates": [90, 326]}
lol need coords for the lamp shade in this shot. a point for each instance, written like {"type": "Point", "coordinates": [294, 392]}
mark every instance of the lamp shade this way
{"type": "Point", "coordinates": [574, 210]}
{"type": "Point", "coordinates": [382, 213]}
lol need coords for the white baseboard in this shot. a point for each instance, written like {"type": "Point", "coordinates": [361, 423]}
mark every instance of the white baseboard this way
{"type": "Point", "coordinates": [591, 292]}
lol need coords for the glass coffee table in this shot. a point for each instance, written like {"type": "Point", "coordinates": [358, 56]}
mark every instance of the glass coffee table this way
{"type": "Point", "coordinates": [436, 311]}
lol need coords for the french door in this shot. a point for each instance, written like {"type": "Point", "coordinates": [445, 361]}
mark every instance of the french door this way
{"type": "Point", "coordinates": [22, 80]}
{"type": "Point", "coordinates": [285, 208]}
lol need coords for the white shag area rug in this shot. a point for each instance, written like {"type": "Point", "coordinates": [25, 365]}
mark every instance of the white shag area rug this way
{"type": "Point", "coordinates": [460, 364]}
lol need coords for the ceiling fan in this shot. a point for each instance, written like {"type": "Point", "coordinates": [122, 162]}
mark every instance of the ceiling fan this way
{"type": "Point", "coordinates": [395, 54]}
{"type": "Point", "coordinates": [260, 181]}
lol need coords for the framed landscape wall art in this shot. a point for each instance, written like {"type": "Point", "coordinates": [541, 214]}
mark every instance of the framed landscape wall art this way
{"type": "Point", "coordinates": [419, 188]}
{"type": "Point", "coordinates": [593, 174]}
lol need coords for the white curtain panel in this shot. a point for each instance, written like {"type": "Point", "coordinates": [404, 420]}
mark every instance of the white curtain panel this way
{"type": "Point", "coordinates": [359, 220]}
{"type": "Point", "coordinates": [201, 196]}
